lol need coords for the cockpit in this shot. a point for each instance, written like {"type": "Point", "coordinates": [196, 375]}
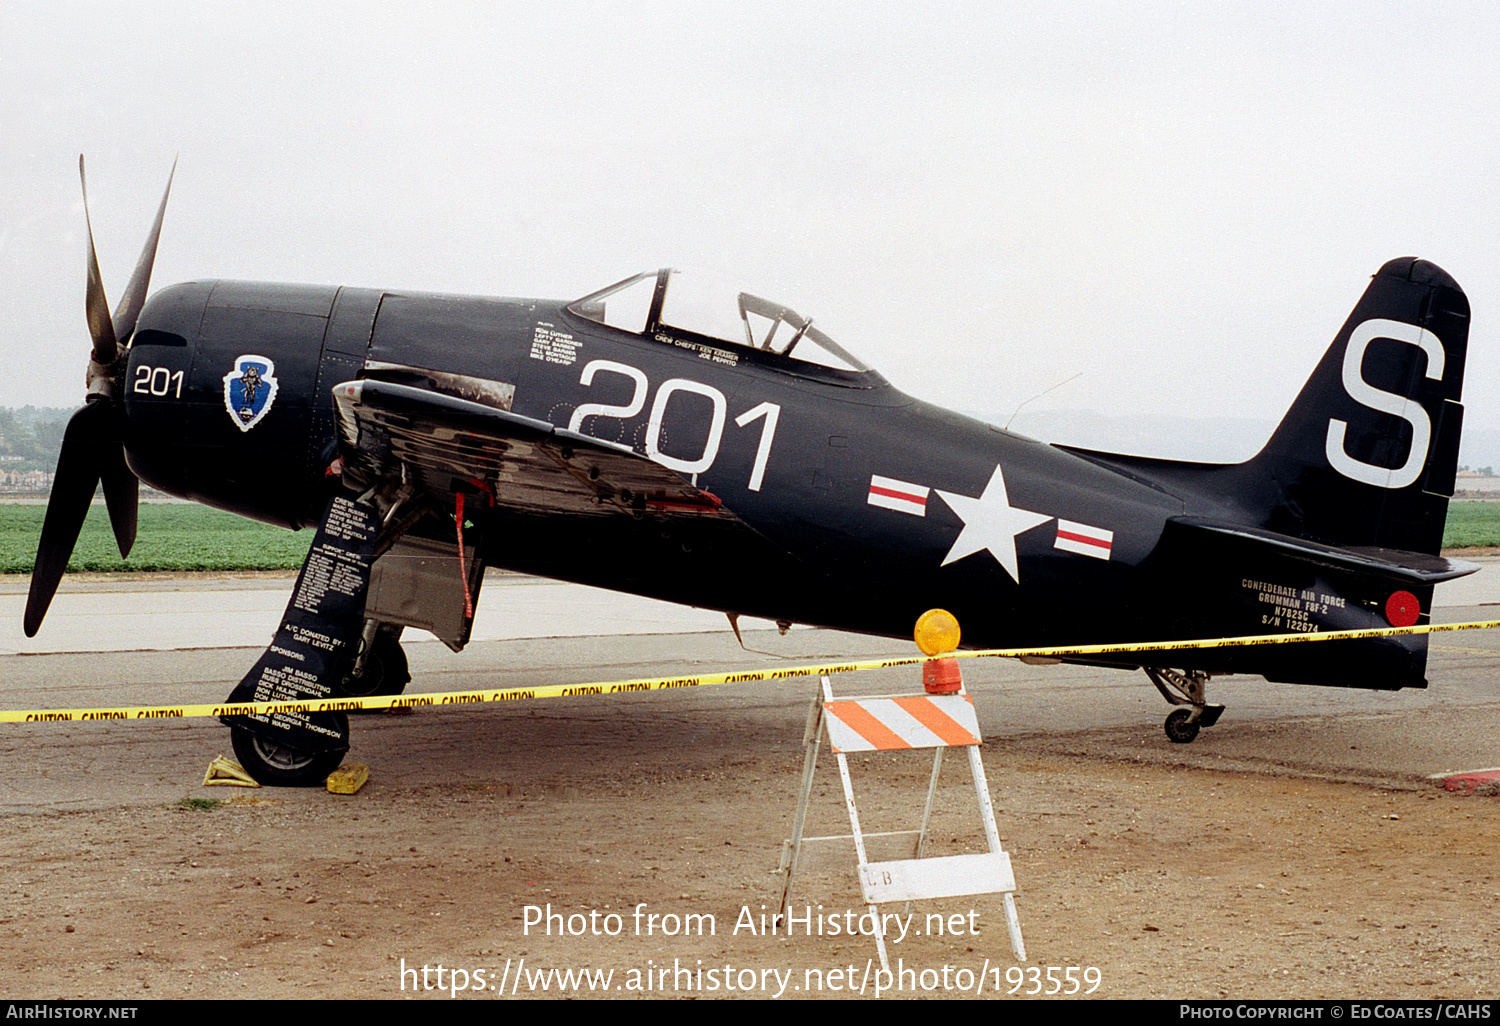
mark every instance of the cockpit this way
{"type": "Point", "coordinates": [693, 307]}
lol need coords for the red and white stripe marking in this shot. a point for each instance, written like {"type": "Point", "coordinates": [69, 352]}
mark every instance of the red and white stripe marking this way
{"type": "Point", "coordinates": [1468, 780]}
{"type": "Point", "coordinates": [901, 496]}
{"type": "Point", "coordinates": [895, 724]}
{"type": "Point", "coordinates": [1083, 539]}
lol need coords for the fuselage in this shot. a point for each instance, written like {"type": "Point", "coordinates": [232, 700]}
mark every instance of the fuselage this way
{"type": "Point", "coordinates": [867, 506]}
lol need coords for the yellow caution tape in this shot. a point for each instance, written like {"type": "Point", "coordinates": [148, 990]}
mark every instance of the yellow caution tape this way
{"type": "Point", "coordinates": [146, 712]}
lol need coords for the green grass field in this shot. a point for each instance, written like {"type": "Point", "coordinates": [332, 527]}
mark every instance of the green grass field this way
{"type": "Point", "coordinates": [1472, 523]}
{"type": "Point", "coordinates": [183, 537]}
{"type": "Point", "coordinates": [170, 537]}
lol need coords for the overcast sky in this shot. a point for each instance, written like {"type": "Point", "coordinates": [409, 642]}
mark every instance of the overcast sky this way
{"type": "Point", "coordinates": [1182, 201]}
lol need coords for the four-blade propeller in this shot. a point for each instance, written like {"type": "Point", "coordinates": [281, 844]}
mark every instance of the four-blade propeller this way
{"type": "Point", "coordinates": [93, 448]}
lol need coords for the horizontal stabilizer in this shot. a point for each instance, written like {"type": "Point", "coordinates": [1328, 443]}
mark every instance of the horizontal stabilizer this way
{"type": "Point", "coordinates": [1410, 568]}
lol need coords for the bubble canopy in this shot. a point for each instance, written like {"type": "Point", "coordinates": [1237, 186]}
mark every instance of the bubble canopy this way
{"type": "Point", "coordinates": [707, 306]}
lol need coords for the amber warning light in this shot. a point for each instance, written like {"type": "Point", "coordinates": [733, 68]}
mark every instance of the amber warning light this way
{"type": "Point", "coordinates": [937, 635]}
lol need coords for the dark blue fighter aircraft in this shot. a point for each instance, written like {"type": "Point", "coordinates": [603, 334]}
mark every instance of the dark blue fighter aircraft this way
{"type": "Point", "coordinates": [712, 447]}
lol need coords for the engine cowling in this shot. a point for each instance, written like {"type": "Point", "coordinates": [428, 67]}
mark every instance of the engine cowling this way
{"type": "Point", "coordinates": [227, 397]}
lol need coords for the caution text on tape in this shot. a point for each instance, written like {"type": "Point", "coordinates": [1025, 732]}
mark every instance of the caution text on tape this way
{"type": "Point", "coordinates": [157, 712]}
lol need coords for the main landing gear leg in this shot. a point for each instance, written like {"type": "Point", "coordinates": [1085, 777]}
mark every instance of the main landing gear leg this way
{"type": "Point", "coordinates": [1189, 691]}
{"type": "Point", "coordinates": [314, 649]}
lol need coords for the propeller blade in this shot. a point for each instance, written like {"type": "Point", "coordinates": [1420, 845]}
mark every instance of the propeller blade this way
{"type": "Point", "coordinates": [122, 492]}
{"type": "Point", "coordinates": [135, 292]}
{"type": "Point", "coordinates": [121, 495]}
{"type": "Point", "coordinates": [88, 437]}
{"type": "Point", "coordinates": [101, 328]}
{"type": "Point", "coordinates": [92, 445]}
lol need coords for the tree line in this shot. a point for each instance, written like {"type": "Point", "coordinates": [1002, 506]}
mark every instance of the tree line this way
{"type": "Point", "coordinates": [31, 436]}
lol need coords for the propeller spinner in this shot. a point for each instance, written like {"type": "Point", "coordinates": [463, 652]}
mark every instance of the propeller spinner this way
{"type": "Point", "coordinates": [93, 448]}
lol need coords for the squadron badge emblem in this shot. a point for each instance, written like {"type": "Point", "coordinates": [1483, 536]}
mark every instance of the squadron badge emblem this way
{"type": "Point", "coordinates": [249, 390]}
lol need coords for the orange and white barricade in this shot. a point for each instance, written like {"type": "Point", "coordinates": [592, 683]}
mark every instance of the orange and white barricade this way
{"type": "Point", "coordinates": [901, 723]}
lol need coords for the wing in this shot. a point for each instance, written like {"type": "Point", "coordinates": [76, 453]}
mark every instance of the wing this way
{"type": "Point", "coordinates": [441, 444]}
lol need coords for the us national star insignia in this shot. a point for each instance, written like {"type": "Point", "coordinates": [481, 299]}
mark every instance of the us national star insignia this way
{"type": "Point", "coordinates": [991, 523]}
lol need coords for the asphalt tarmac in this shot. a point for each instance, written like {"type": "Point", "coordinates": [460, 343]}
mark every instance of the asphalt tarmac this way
{"type": "Point", "coordinates": [177, 641]}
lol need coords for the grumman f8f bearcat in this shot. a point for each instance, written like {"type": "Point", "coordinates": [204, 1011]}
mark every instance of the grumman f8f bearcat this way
{"type": "Point", "coordinates": [722, 450]}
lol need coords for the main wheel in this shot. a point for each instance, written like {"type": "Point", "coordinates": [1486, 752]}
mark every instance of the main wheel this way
{"type": "Point", "coordinates": [1181, 728]}
{"type": "Point", "coordinates": [278, 766]}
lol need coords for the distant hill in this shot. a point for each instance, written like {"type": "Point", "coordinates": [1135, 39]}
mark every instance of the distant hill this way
{"type": "Point", "coordinates": [1202, 439]}
{"type": "Point", "coordinates": [1480, 448]}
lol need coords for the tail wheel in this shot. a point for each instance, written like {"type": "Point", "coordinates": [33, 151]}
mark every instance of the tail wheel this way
{"type": "Point", "coordinates": [1181, 728]}
{"type": "Point", "coordinates": [276, 765]}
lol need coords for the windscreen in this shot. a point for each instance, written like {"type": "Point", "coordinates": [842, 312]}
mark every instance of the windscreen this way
{"type": "Point", "coordinates": [707, 305]}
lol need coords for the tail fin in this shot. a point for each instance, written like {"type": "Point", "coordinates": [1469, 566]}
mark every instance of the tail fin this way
{"type": "Point", "coordinates": [1342, 512]}
{"type": "Point", "coordinates": [1367, 455]}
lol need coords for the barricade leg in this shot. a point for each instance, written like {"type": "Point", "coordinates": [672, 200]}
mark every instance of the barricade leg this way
{"type": "Point", "coordinates": [932, 784]}
{"type": "Point", "coordinates": [812, 738]}
{"type": "Point", "coordinates": [859, 850]}
{"type": "Point", "coordinates": [992, 836]}
{"type": "Point", "coordinates": [859, 837]}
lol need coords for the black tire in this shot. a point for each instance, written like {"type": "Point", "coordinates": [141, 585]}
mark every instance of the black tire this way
{"type": "Point", "coordinates": [278, 766]}
{"type": "Point", "coordinates": [1180, 727]}
{"type": "Point", "coordinates": [385, 671]}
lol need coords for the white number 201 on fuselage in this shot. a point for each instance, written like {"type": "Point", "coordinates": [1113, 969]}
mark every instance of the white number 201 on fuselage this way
{"type": "Point", "coordinates": [771, 413]}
